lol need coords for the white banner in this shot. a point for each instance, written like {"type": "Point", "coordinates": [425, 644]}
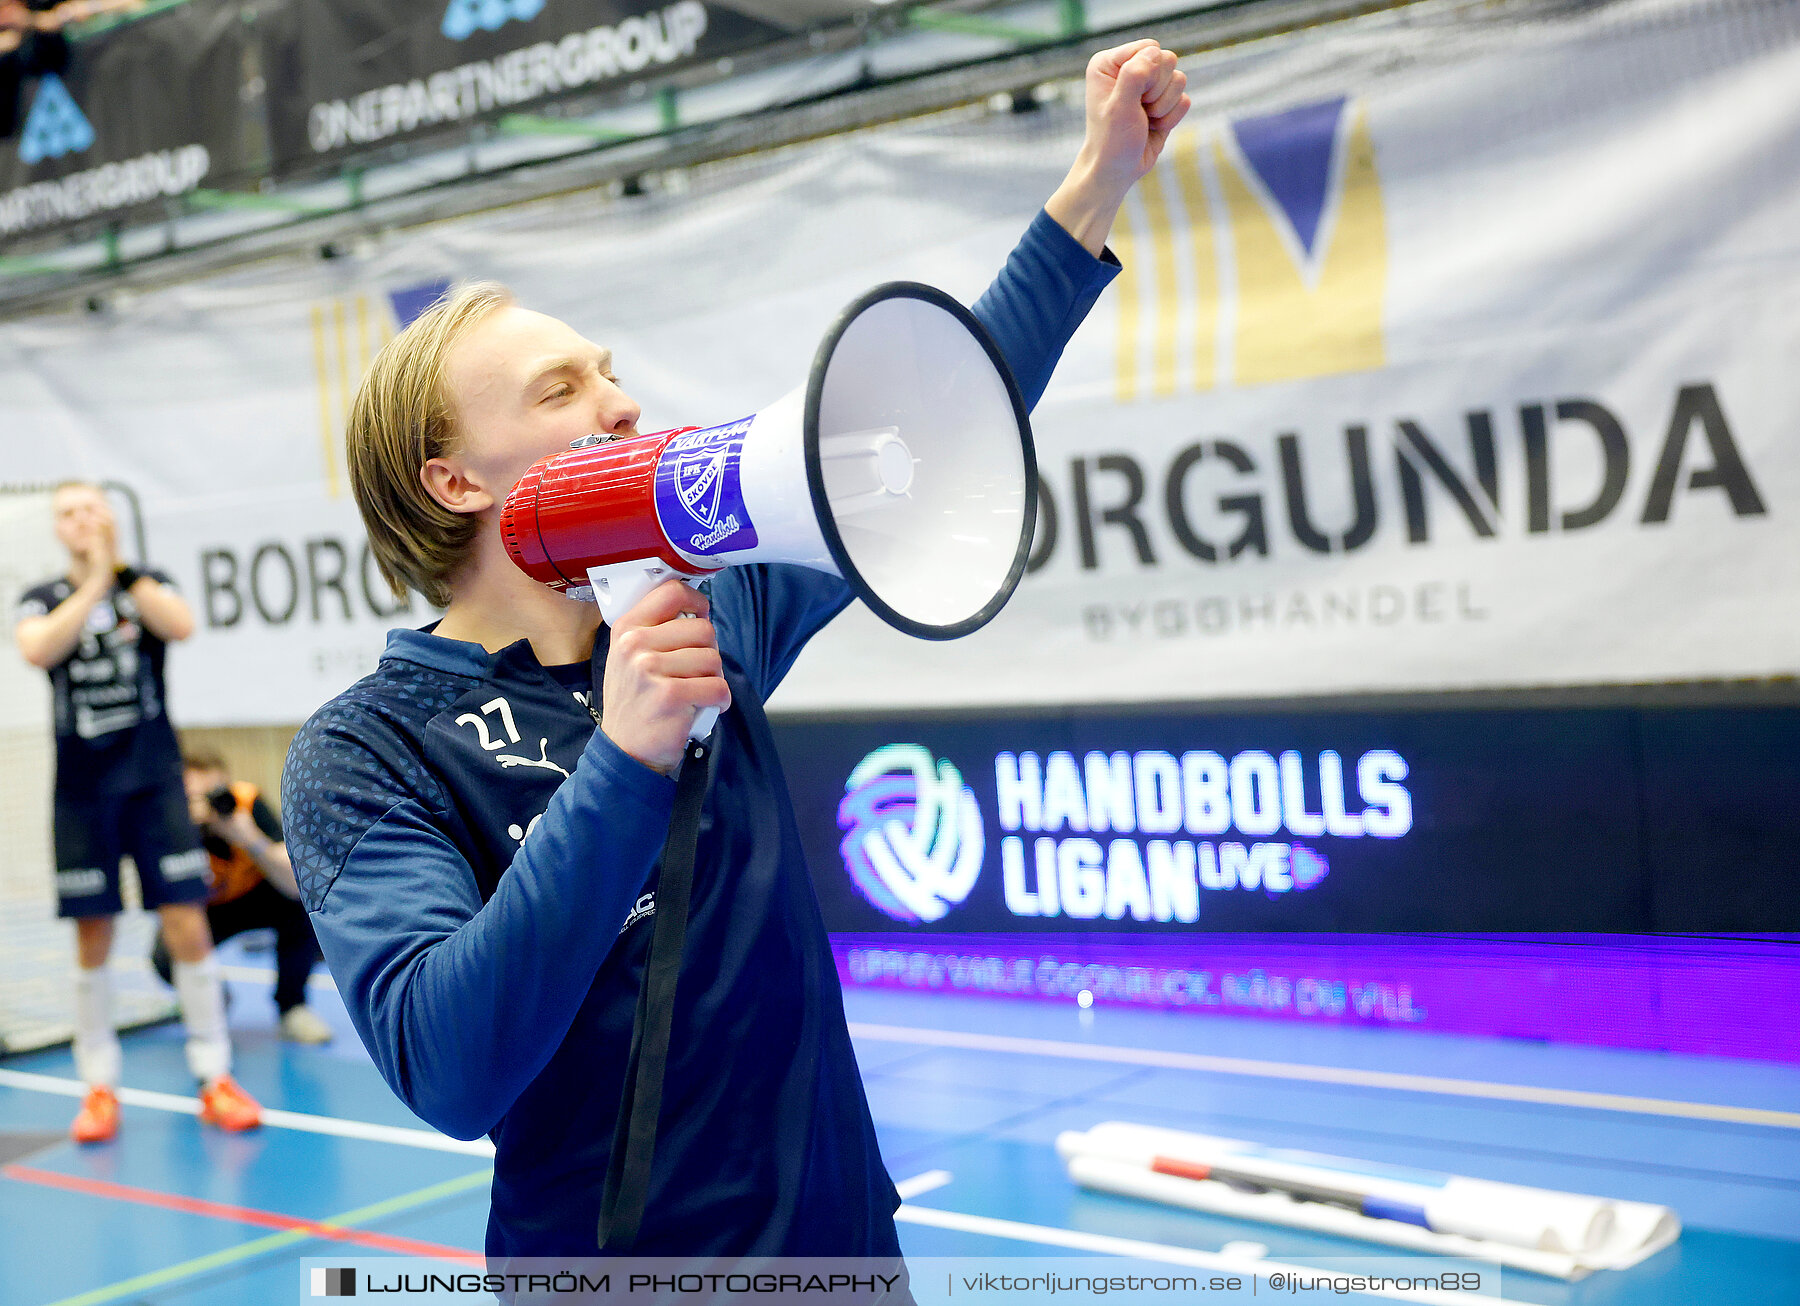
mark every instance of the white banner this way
{"type": "Point", "coordinates": [1452, 351]}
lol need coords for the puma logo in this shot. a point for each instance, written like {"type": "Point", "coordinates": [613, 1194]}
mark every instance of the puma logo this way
{"type": "Point", "coordinates": [541, 761]}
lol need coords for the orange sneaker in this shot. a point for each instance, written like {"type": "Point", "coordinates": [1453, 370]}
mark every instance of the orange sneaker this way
{"type": "Point", "coordinates": [98, 1119]}
{"type": "Point", "coordinates": [224, 1104]}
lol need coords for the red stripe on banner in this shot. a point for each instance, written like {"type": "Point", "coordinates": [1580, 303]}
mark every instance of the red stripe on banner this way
{"type": "Point", "coordinates": [238, 1214]}
{"type": "Point", "coordinates": [1179, 1168]}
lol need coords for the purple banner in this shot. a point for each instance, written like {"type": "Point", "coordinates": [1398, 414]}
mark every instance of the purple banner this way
{"type": "Point", "coordinates": [1709, 996]}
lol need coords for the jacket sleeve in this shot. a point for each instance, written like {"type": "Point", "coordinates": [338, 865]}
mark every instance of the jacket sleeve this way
{"type": "Point", "coordinates": [766, 612]}
{"type": "Point", "coordinates": [1043, 292]}
{"type": "Point", "coordinates": [462, 1003]}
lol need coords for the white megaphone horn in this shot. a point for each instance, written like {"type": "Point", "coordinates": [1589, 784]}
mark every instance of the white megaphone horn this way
{"type": "Point", "coordinates": [904, 465]}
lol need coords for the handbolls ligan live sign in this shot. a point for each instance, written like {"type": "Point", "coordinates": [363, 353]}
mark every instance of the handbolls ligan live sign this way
{"type": "Point", "coordinates": [1378, 820]}
{"type": "Point", "coordinates": [1179, 823]}
{"type": "Point", "coordinates": [1109, 838]}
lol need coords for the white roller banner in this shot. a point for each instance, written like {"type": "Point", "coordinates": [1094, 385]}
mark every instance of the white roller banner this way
{"type": "Point", "coordinates": [1458, 348]}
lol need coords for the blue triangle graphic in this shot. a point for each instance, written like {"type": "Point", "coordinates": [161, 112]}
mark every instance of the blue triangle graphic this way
{"type": "Point", "coordinates": [56, 126]}
{"type": "Point", "coordinates": [410, 301]}
{"type": "Point", "coordinates": [1291, 152]}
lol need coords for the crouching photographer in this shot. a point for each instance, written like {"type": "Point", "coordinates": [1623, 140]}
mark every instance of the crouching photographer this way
{"type": "Point", "coordinates": [252, 885]}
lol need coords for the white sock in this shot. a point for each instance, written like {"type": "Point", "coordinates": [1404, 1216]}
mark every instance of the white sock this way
{"type": "Point", "coordinates": [97, 1056]}
{"type": "Point", "coordinates": [202, 997]}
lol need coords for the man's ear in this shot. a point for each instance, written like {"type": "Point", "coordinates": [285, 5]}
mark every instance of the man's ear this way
{"type": "Point", "coordinates": [452, 487]}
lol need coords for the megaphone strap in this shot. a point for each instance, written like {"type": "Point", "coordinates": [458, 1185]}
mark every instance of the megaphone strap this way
{"type": "Point", "coordinates": [634, 1132]}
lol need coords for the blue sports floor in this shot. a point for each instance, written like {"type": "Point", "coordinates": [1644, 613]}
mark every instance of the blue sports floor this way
{"type": "Point", "coordinates": [968, 1095]}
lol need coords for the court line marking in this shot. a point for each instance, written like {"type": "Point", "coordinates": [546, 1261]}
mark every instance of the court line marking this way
{"type": "Point", "coordinates": [1130, 1056]}
{"type": "Point", "coordinates": [426, 1139]}
{"type": "Point", "coordinates": [223, 1211]}
{"type": "Point", "coordinates": [274, 1242]}
{"type": "Point", "coordinates": [1107, 1244]}
{"type": "Point", "coordinates": [922, 1183]}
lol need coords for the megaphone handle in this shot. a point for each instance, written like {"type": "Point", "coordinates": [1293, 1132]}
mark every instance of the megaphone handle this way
{"type": "Point", "coordinates": [619, 585]}
{"type": "Point", "coordinates": [617, 588]}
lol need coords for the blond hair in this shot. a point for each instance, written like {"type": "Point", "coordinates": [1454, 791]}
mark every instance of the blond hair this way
{"type": "Point", "coordinates": [400, 420]}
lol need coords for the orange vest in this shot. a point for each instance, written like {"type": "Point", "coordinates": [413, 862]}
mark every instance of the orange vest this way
{"type": "Point", "coordinates": [236, 875]}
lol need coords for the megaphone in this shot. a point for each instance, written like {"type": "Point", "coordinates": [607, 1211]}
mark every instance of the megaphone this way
{"type": "Point", "coordinates": [904, 465]}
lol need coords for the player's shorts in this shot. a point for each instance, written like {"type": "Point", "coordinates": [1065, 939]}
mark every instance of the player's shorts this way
{"type": "Point", "coordinates": [92, 832]}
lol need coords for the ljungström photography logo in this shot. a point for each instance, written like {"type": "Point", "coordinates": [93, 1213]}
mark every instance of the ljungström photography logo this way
{"type": "Point", "coordinates": [913, 841]}
{"type": "Point", "coordinates": [334, 1283]}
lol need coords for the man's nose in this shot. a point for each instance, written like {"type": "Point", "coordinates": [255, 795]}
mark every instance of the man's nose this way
{"type": "Point", "coordinates": [618, 413]}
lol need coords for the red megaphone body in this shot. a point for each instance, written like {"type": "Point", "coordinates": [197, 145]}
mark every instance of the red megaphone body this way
{"type": "Point", "coordinates": [593, 505]}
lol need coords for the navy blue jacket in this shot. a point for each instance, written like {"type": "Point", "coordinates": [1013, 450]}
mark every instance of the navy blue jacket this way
{"type": "Point", "coordinates": [479, 862]}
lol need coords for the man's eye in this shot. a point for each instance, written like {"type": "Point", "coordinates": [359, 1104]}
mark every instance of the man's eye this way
{"type": "Point", "coordinates": [560, 392]}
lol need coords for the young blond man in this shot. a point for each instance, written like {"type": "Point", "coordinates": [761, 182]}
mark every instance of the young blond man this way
{"type": "Point", "coordinates": [475, 827]}
{"type": "Point", "coordinates": [100, 631]}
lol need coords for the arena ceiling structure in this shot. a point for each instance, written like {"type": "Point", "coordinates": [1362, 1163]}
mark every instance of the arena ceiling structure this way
{"type": "Point", "coordinates": [318, 124]}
